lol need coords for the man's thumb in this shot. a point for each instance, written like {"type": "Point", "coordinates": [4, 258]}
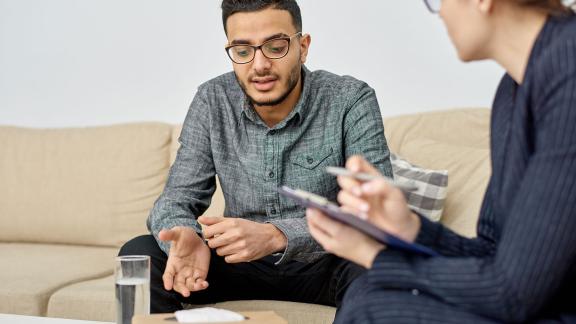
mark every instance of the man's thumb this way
{"type": "Point", "coordinates": [169, 235]}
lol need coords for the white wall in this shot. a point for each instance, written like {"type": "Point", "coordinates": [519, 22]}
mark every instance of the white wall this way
{"type": "Point", "coordinates": [93, 62]}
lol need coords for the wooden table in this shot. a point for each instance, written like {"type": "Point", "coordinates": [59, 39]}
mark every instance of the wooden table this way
{"type": "Point", "coordinates": [268, 317]}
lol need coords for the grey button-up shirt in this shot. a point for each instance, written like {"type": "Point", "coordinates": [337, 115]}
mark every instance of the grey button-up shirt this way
{"type": "Point", "coordinates": [336, 117]}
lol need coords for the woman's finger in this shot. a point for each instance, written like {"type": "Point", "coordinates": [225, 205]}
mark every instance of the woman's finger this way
{"type": "Point", "coordinates": [329, 226]}
{"type": "Point", "coordinates": [352, 202]}
{"type": "Point", "coordinates": [377, 187]}
{"type": "Point", "coordinates": [319, 234]}
{"type": "Point", "coordinates": [349, 183]}
{"type": "Point", "coordinates": [357, 163]}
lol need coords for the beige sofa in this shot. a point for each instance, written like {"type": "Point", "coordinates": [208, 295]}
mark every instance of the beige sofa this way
{"type": "Point", "coordinates": [69, 198]}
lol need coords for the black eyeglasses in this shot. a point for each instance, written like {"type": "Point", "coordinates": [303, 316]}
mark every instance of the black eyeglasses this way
{"type": "Point", "coordinates": [275, 49]}
{"type": "Point", "coordinates": [433, 5]}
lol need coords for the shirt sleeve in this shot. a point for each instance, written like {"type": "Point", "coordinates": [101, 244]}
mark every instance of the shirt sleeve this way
{"type": "Point", "coordinates": [191, 180]}
{"type": "Point", "coordinates": [364, 130]}
{"type": "Point", "coordinates": [301, 245]}
{"type": "Point", "coordinates": [536, 251]}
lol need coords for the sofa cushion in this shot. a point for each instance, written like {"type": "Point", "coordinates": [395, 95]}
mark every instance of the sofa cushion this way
{"type": "Point", "coordinates": [88, 300]}
{"type": "Point", "coordinates": [453, 140]}
{"type": "Point", "coordinates": [91, 186]}
{"type": "Point", "coordinates": [30, 273]}
{"type": "Point", "coordinates": [431, 187]}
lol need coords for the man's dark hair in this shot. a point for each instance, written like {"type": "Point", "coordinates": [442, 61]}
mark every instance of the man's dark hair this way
{"type": "Point", "coordinates": [230, 7]}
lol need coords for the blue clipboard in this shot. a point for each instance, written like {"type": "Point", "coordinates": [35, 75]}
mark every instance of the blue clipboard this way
{"type": "Point", "coordinates": [333, 211]}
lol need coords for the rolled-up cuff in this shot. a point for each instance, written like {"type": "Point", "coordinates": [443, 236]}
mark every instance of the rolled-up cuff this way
{"type": "Point", "coordinates": [300, 245]}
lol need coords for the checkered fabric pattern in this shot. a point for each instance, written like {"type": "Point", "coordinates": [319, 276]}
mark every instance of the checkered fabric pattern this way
{"type": "Point", "coordinates": [428, 199]}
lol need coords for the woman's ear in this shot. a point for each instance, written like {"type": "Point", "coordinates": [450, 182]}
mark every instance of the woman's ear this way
{"type": "Point", "coordinates": [485, 6]}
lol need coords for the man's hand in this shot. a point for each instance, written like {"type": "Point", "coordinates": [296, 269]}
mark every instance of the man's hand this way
{"type": "Point", "coordinates": [188, 261]}
{"type": "Point", "coordinates": [241, 240]}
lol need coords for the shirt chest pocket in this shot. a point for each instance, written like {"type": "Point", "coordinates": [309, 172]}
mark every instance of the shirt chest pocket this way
{"type": "Point", "coordinates": [313, 159]}
{"type": "Point", "coordinates": [308, 171]}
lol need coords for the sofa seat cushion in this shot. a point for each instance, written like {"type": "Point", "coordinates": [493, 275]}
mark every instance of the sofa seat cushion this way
{"type": "Point", "coordinates": [88, 300]}
{"type": "Point", "coordinates": [88, 186]}
{"type": "Point", "coordinates": [30, 273]}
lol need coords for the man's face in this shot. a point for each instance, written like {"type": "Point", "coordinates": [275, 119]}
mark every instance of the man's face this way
{"type": "Point", "coordinates": [267, 82]}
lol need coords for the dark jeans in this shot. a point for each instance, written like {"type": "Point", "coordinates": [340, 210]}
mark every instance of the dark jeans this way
{"type": "Point", "coordinates": [322, 282]}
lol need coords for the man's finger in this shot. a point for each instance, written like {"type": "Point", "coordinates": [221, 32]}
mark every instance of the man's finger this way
{"type": "Point", "coordinates": [220, 240]}
{"type": "Point", "coordinates": [190, 283]}
{"type": "Point", "coordinates": [200, 284]}
{"type": "Point", "coordinates": [210, 220]}
{"type": "Point", "coordinates": [182, 289]}
{"type": "Point", "coordinates": [180, 286]}
{"type": "Point", "coordinates": [199, 274]}
{"type": "Point", "coordinates": [235, 258]}
{"type": "Point", "coordinates": [210, 231]}
{"type": "Point", "coordinates": [230, 249]}
{"type": "Point", "coordinates": [168, 278]}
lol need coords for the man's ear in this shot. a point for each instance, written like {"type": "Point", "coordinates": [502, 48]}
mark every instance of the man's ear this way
{"type": "Point", "coordinates": [305, 41]}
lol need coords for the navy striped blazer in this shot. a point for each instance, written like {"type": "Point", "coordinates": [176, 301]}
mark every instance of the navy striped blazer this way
{"type": "Point", "coordinates": [522, 264]}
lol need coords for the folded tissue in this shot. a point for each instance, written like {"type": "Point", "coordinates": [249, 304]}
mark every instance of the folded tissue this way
{"type": "Point", "coordinates": [207, 315]}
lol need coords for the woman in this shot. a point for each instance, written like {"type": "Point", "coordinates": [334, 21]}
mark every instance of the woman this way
{"type": "Point", "coordinates": [522, 265]}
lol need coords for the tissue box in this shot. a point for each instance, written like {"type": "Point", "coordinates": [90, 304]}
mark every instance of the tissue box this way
{"type": "Point", "coordinates": [267, 317]}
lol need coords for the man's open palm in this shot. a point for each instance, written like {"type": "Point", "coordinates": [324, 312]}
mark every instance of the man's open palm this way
{"type": "Point", "coordinates": [188, 261]}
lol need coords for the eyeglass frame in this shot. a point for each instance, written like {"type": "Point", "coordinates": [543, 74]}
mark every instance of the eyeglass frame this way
{"type": "Point", "coordinates": [259, 47]}
{"type": "Point", "coordinates": [431, 8]}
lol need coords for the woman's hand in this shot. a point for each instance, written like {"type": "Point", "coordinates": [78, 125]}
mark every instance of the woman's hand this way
{"type": "Point", "coordinates": [342, 240]}
{"type": "Point", "coordinates": [377, 201]}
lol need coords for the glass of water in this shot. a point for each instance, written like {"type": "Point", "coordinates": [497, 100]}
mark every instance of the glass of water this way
{"type": "Point", "coordinates": [132, 275]}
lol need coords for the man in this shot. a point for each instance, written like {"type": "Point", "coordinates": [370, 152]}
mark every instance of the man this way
{"type": "Point", "coordinates": [272, 122]}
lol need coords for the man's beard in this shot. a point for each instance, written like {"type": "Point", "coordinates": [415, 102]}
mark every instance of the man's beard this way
{"type": "Point", "coordinates": [292, 82]}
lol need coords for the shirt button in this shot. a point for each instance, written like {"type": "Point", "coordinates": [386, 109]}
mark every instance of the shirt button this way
{"type": "Point", "coordinates": [415, 292]}
{"type": "Point", "coordinates": [309, 159]}
{"type": "Point", "coordinates": [271, 174]}
{"type": "Point", "coordinates": [273, 211]}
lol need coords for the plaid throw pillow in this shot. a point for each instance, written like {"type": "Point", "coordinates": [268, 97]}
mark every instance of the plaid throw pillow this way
{"type": "Point", "coordinates": [432, 186]}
